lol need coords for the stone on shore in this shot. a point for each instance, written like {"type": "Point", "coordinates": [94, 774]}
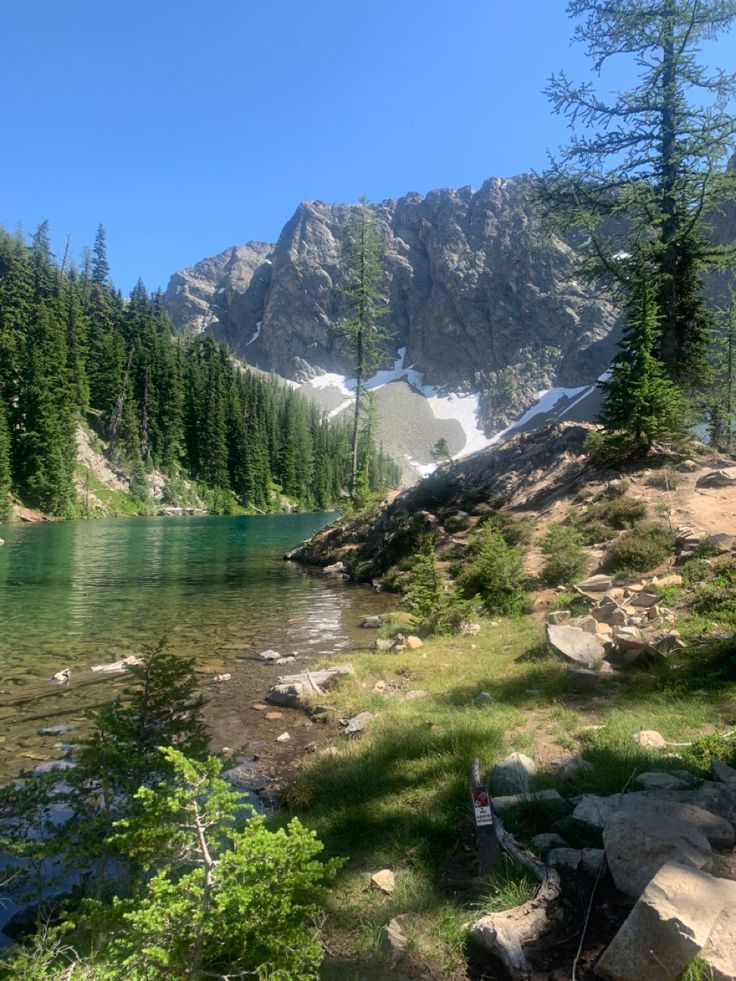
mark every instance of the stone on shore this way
{"type": "Point", "coordinates": [513, 774]}
{"type": "Point", "coordinates": [359, 723]}
{"type": "Point", "coordinates": [293, 689]}
{"type": "Point", "coordinates": [385, 880]}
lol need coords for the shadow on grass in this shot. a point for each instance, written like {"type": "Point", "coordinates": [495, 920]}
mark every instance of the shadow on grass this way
{"type": "Point", "coordinates": [404, 792]}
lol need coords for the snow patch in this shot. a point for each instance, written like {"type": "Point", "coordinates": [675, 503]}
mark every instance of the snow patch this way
{"type": "Point", "coordinates": [257, 333]}
{"type": "Point", "coordinates": [423, 469]}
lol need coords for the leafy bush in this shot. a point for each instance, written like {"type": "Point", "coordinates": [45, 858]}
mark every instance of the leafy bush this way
{"type": "Point", "coordinates": [703, 749]}
{"type": "Point", "coordinates": [566, 561]}
{"type": "Point", "coordinates": [515, 531]}
{"type": "Point", "coordinates": [496, 574]}
{"type": "Point", "coordinates": [695, 571]}
{"type": "Point", "coordinates": [642, 550]}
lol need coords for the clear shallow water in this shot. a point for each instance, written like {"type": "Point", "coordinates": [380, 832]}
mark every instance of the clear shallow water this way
{"type": "Point", "coordinates": [87, 592]}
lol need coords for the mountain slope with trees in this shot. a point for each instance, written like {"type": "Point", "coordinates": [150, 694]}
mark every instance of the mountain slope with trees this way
{"type": "Point", "coordinates": [73, 350]}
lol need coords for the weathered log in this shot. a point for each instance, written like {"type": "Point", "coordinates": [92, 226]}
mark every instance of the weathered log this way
{"type": "Point", "coordinates": [506, 934]}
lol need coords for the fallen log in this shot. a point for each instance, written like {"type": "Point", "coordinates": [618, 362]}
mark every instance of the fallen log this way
{"type": "Point", "coordinates": [506, 934]}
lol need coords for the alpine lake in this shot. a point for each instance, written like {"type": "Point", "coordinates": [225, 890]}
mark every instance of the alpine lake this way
{"type": "Point", "coordinates": [82, 593]}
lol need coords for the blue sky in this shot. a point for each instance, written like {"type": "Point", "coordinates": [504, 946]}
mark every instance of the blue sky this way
{"type": "Point", "coordinates": [185, 127]}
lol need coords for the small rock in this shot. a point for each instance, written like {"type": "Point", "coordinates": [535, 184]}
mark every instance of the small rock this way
{"type": "Point", "coordinates": [413, 643]}
{"type": "Point", "coordinates": [545, 842]}
{"type": "Point", "coordinates": [512, 775]}
{"type": "Point", "coordinates": [484, 698]}
{"type": "Point", "coordinates": [643, 599]}
{"type": "Point", "coordinates": [394, 936]}
{"type": "Point", "coordinates": [283, 738]}
{"type": "Point", "coordinates": [575, 766]}
{"type": "Point", "coordinates": [372, 623]}
{"type": "Point", "coordinates": [385, 880]}
{"type": "Point", "coordinates": [55, 730]}
{"type": "Point", "coordinates": [687, 466]}
{"type": "Point", "coordinates": [412, 696]}
{"type": "Point", "coordinates": [358, 723]}
{"type": "Point", "coordinates": [61, 677]}
{"type": "Point", "coordinates": [336, 569]}
{"type": "Point", "coordinates": [221, 677]}
{"type": "Point", "coordinates": [269, 655]}
{"type": "Point", "coordinates": [259, 706]}
{"type": "Point", "coordinates": [588, 624]}
{"type": "Point", "coordinates": [558, 617]}
{"type": "Point", "coordinates": [596, 584]}
{"type": "Point", "coordinates": [469, 628]}
{"type": "Point", "coordinates": [650, 739]}
{"type": "Point", "coordinates": [273, 716]}
{"type": "Point", "coordinates": [382, 644]}
{"type": "Point", "coordinates": [605, 631]}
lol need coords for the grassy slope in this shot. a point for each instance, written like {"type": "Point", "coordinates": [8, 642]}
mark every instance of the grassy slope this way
{"type": "Point", "coordinates": [397, 796]}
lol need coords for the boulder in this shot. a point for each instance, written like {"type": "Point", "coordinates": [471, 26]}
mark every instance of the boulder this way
{"type": "Point", "coordinates": [293, 688]}
{"type": "Point", "coordinates": [513, 774]}
{"type": "Point", "coordinates": [469, 628]}
{"type": "Point", "coordinates": [573, 860]}
{"type": "Point", "coordinates": [549, 798]}
{"type": "Point", "coordinates": [670, 924]}
{"type": "Point", "coordinates": [719, 954]}
{"type": "Point", "coordinates": [413, 643]}
{"type": "Point", "coordinates": [718, 478]}
{"type": "Point", "coordinates": [372, 623]}
{"type": "Point", "coordinates": [726, 774]}
{"type": "Point", "coordinates": [589, 624]}
{"type": "Point", "coordinates": [385, 880]}
{"type": "Point", "coordinates": [627, 637]}
{"type": "Point", "coordinates": [383, 645]}
{"type": "Point", "coordinates": [657, 780]}
{"type": "Point", "coordinates": [596, 812]}
{"type": "Point", "coordinates": [484, 698]}
{"type": "Point", "coordinates": [575, 645]}
{"type": "Point", "coordinates": [643, 599]}
{"type": "Point", "coordinates": [639, 843]}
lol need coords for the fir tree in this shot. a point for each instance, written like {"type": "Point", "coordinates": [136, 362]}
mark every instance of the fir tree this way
{"type": "Point", "coordinates": [721, 404]}
{"type": "Point", "coordinates": [5, 480]}
{"type": "Point", "coordinates": [644, 165]}
{"type": "Point", "coordinates": [361, 328]}
{"type": "Point", "coordinates": [640, 400]}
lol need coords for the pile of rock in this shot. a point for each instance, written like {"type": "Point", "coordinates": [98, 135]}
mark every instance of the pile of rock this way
{"type": "Point", "coordinates": [663, 847]}
{"type": "Point", "coordinates": [625, 625]}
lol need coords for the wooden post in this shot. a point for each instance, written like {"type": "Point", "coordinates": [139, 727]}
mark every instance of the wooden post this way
{"type": "Point", "coordinates": [486, 839]}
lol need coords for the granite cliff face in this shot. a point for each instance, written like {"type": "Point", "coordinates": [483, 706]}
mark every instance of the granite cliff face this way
{"type": "Point", "coordinates": [481, 299]}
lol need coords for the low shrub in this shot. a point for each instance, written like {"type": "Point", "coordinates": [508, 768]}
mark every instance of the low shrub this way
{"type": "Point", "coordinates": [567, 561]}
{"type": "Point", "coordinates": [641, 550]}
{"type": "Point", "coordinates": [496, 575]}
{"type": "Point", "coordinates": [704, 749]}
{"type": "Point", "coordinates": [515, 531]}
{"type": "Point", "coordinates": [431, 600]}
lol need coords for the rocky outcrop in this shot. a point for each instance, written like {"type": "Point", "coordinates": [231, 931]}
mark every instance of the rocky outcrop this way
{"type": "Point", "coordinates": [481, 298]}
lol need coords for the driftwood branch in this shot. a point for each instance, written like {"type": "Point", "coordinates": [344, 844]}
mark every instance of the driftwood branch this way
{"type": "Point", "coordinates": [506, 934]}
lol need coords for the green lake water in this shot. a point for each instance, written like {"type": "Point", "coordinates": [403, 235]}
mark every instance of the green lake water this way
{"type": "Point", "coordinates": [75, 594]}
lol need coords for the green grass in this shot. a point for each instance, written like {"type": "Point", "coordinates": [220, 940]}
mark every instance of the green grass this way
{"type": "Point", "coordinates": [117, 503]}
{"type": "Point", "coordinates": [397, 797]}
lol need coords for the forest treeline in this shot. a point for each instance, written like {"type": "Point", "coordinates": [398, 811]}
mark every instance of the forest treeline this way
{"type": "Point", "coordinates": [72, 349]}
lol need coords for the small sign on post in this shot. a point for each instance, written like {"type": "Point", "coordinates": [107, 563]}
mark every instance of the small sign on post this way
{"type": "Point", "coordinates": [489, 849]}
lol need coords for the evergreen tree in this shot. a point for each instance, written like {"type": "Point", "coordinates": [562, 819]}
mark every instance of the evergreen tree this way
{"type": "Point", "coordinates": [640, 399]}
{"type": "Point", "coordinates": [361, 328]}
{"type": "Point", "coordinates": [644, 166]}
{"type": "Point", "coordinates": [721, 403]}
{"type": "Point", "coordinates": [5, 481]}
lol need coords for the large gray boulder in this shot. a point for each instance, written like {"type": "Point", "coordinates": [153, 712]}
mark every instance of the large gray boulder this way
{"type": "Point", "coordinates": [513, 774]}
{"type": "Point", "coordinates": [575, 645]}
{"type": "Point", "coordinates": [669, 926]}
{"type": "Point", "coordinates": [597, 812]}
{"type": "Point", "coordinates": [639, 843]}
